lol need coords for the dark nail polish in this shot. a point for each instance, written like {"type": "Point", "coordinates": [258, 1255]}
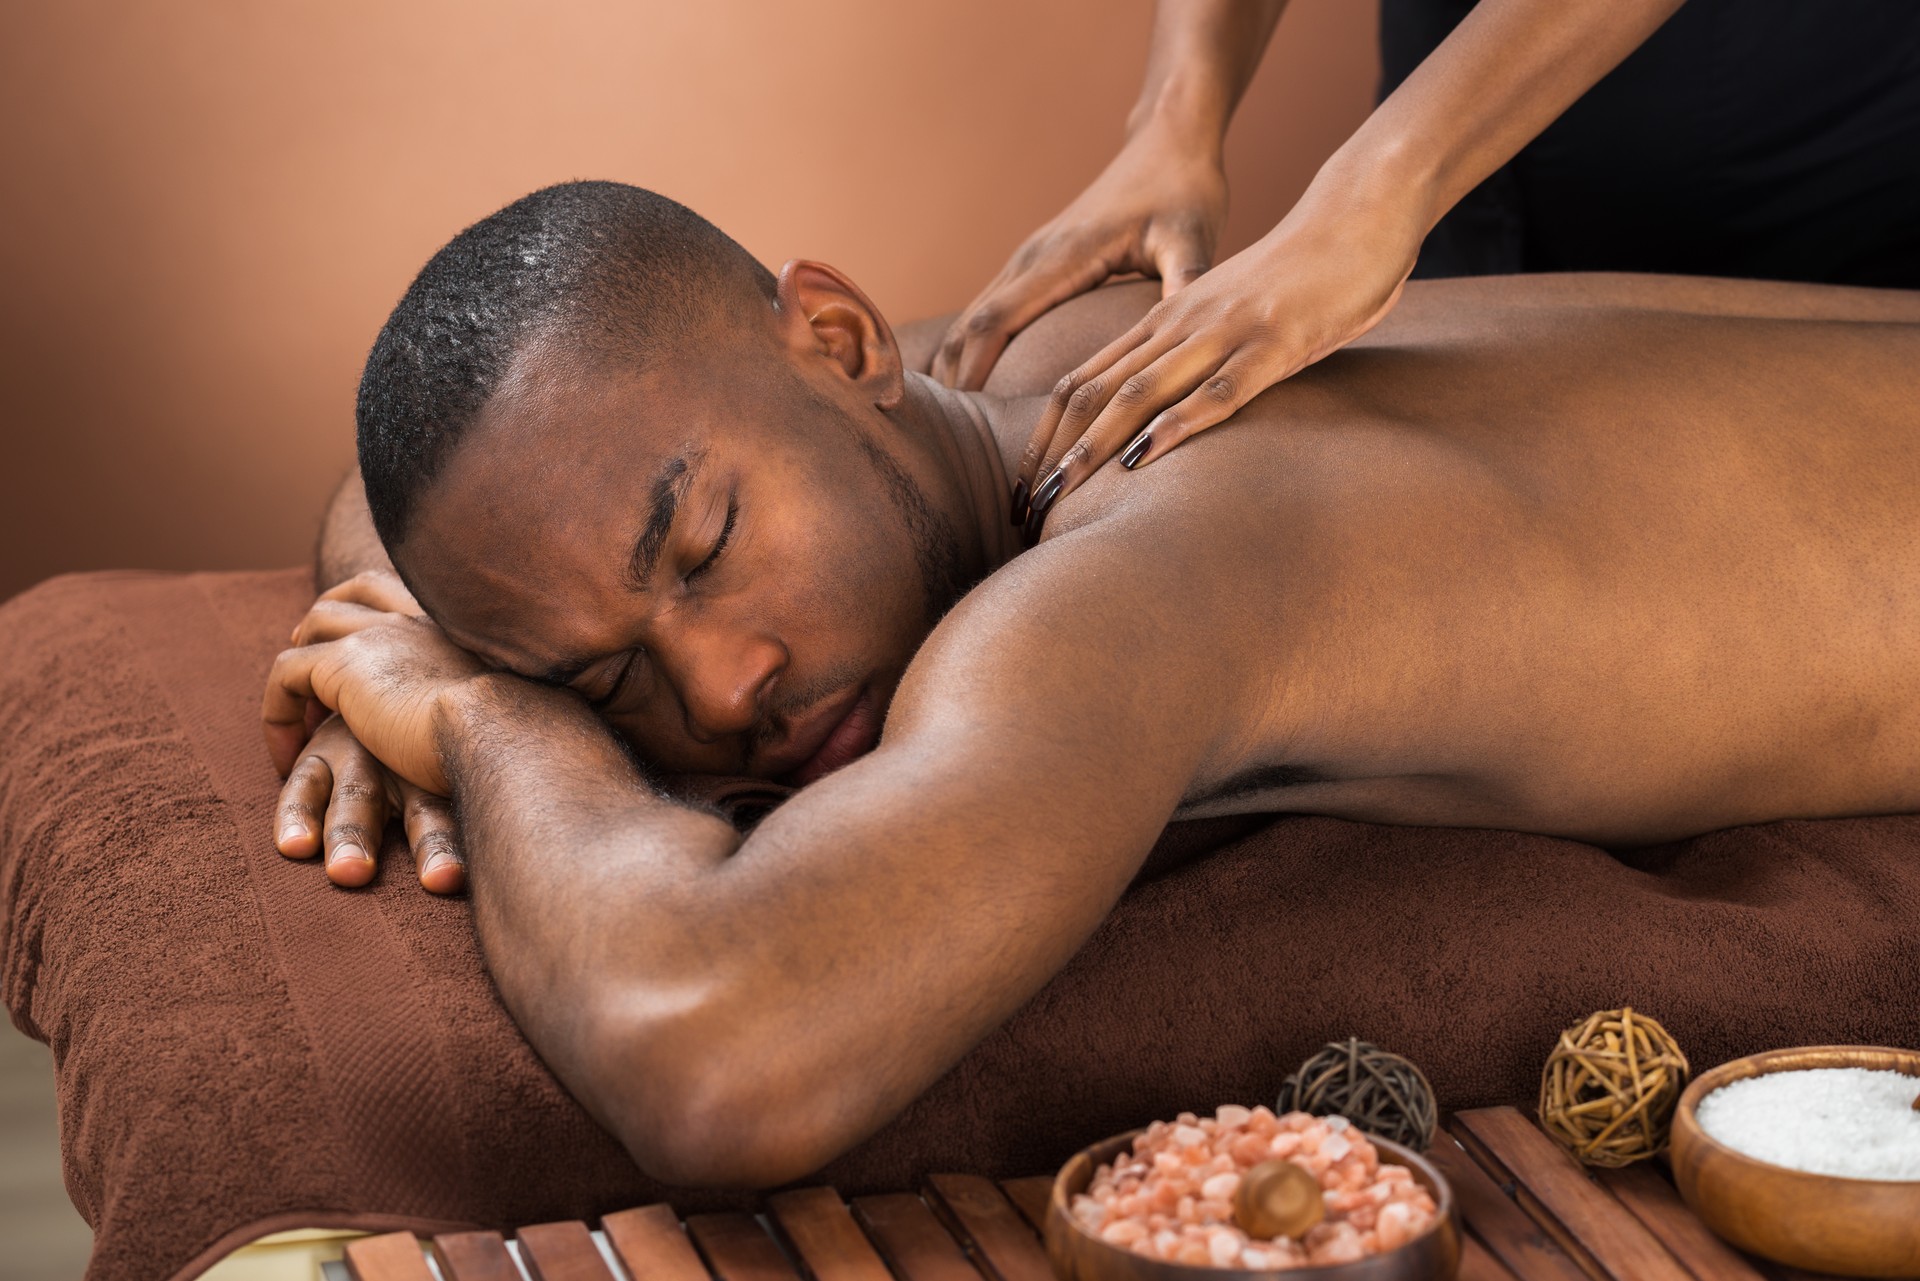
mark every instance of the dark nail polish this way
{"type": "Point", "coordinates": [1049, 490]}
{"type": "Point", "coordinates": [1042, 502]}
{"type": "Point", "coordinates": [1133, 453]}
{"type": "Point", "coordinates": [1019, 502]}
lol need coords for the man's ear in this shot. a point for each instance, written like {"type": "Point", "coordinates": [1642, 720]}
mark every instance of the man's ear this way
{"type": "Point", "coordinates": [824, 314]}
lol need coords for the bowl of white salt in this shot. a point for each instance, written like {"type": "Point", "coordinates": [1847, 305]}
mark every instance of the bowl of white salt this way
{"type": "Point", "coordinates": [1809, 1157]}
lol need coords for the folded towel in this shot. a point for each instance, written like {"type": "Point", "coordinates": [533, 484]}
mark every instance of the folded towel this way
{"type": "Point", "coordinates": [240, 1047]}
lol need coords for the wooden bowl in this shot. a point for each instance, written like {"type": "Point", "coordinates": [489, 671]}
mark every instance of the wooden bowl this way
{"type": "Point", "coordinates": [1820, 1222]}
{"type": "Point", "coordinates": [1078, 1255]}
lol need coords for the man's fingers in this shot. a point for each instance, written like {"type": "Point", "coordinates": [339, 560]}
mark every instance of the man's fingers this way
{"type": "Point", "coordinates": [1214, 401]}
{"type": "Point", "coordinates": [356, 818]}
{"type": "Point", "coordinates": [303, 804]}
{"type": "Point", "coordinates": [435, 840]}
{"type": "Point", "coordinates": [379, 589]}
{"type": "Point", "coordinates": [283, 709]}
{"type": "Point", "coordinates": [329, 619]}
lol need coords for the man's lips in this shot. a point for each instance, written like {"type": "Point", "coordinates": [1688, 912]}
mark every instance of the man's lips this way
{"type": "Point", "coordinates": [836, 735]}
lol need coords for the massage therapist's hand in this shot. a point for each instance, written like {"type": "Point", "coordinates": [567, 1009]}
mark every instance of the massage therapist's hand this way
{"type": "Point", "coordinates": [1157, 209]}
{"type": "Point", "coordinates": [384, 672]}
{"type": "Point", "coordinates": [338, 797]}
{"type": "Point", "coordinates": [1325, 275]}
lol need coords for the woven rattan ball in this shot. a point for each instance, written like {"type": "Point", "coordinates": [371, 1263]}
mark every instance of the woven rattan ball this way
{"type": "Point", "coordinates": [1382, 1093]}
{"type": "Point", "coordinates": [1610, 1086]}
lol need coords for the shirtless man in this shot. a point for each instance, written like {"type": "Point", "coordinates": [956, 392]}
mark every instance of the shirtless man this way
{"type": "Point", "coordinates": [1619, 559]}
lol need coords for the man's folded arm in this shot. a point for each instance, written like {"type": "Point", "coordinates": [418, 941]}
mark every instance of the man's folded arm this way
{"type": "Point", "coordinates": [739, 1011]}
{"type": "Point", "coordinates": [348, 544]}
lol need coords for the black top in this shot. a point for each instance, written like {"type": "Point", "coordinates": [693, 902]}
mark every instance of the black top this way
{"type": "Point", "coordinates": [1764, 138]}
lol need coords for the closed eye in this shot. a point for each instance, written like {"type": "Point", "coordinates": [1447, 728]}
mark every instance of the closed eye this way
{"type": "Point", "coordinates": [720, 544]}
{"type": "Point", "coordinates": [617, 684]}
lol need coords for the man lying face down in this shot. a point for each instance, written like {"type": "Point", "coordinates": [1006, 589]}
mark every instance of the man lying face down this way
{"type": "Point", "coordinates": [1622, 559]}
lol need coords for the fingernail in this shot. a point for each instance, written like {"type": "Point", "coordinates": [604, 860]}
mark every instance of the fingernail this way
{"type": "Point", "coordinates": [1019, 502]}
{"type": "Point", "coordinates": [1137, 450]}
{"type": "Point", "coordinates": [347, 853]}
{"type": "Point", "coordinates": [293, 831]}
{"type": "Point", "coordinates": [437, 861]}
{"type": "Point", "coordinates": [1049, 490]}
{"type": "Point", "coordinates": [1043, 500]}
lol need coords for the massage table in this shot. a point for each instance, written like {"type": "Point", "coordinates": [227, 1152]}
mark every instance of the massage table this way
{"type": "Point", "coordinates": [1530, 1213]}
{"type": "Point", "coordinates": [243, 1050]}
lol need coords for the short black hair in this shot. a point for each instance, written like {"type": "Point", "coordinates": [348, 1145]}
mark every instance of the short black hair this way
{"type": "Point", "coordinates": [616, 268]}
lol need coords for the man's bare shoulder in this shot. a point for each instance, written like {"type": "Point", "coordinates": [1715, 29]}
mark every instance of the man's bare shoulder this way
{"type": "Point", "coordinates": [1073, 332]}
{"type": "Point", "coordinates": [1431, 306]}
{"type": "Point", "coordinates": [1052, 346]}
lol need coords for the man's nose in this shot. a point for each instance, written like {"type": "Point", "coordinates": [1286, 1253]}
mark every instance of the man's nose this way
{"type": "Point", "coordinates": [725, 686]}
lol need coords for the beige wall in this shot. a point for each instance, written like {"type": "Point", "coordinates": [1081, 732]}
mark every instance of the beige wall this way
{"type": "Point", "coordinates": [211, 204]}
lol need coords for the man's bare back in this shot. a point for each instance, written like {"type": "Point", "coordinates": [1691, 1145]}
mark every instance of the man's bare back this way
{"type": "Point", "coordinates": [1620, 559]}
{"type": "Point", "coordinates": [1610, 557]}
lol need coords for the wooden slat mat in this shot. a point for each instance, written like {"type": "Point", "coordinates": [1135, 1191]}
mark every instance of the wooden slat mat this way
{"type": "Point", "coordinates": [1532, 1213]}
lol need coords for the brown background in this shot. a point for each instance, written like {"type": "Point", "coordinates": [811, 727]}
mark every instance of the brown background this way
{"type": "Point", "coordinates": [210, 206]}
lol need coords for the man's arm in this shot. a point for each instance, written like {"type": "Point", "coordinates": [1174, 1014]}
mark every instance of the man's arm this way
{"type": "Point", "coordinates": [337, 797]}
{"type": "Point", "coordinates": [741, 1010]}
{"type": "Point", "coordinates": [348, 544]}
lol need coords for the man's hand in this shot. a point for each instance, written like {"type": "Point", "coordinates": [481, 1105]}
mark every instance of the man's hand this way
{"type": "Point", "coordinates": [338, 798]}
{"type": "Point", "coordinates": [384, 672]}
{"type": "Point", "coordinates": [1156, 209]}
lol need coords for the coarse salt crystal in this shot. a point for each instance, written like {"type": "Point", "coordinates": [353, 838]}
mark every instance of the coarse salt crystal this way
{"type": "Point", "coordinates": [1220, 1187]}
{"type": "Point", "coordinates": [1857, 1123]}
{"type": "Point", "coordinates": [1232, 1115]}
{"type": "Point", "coordinates": [1175, 1192]}
{"type": "Point", "coordinates": [1337, 1123]}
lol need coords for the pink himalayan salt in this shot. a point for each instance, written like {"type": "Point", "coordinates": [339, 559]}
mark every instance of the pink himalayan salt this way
{"type": "Point", "coordinates": [1172, 1197]}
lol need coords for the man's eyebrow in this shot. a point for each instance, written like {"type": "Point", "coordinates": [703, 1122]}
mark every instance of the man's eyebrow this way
{"type": "Point", "coordinates": [669, 487]}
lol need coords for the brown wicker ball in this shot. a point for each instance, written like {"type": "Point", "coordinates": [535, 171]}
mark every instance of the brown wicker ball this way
{"type": "Point", "coordinates": [1382, 1093]}
{"type": "Point", "coordinates": [1610, 1086]}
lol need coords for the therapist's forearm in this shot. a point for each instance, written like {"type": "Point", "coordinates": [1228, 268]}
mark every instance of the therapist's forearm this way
{"type": "Point", "coordinates": [1505, 73]}
{"type": "Point", "coordinates": [1202, 58]}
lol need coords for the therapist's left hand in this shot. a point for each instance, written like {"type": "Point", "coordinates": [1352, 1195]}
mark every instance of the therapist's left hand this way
{"type": "Point", "coordinates": [1325, 275]}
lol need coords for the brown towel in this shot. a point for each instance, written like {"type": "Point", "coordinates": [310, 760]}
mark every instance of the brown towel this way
{"type": "Point", "coordinates": [241, 1047]}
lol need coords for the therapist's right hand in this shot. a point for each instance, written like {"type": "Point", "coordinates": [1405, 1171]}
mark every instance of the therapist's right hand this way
{"type": "Point", "coordinates": [1156, 209]}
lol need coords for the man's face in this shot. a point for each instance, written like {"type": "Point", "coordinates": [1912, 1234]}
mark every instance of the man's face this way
{"type": "Point", "coordinates": [729, 558]}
